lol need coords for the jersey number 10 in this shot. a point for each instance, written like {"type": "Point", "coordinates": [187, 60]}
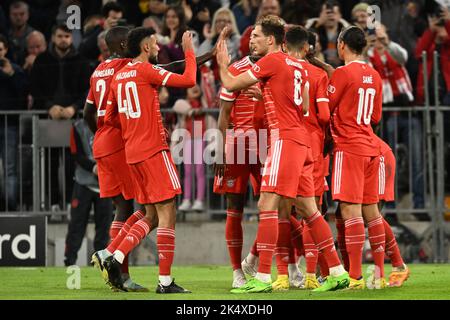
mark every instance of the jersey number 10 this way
{"type": "Point", "coordinates": [126, 106]}
{"type": "Point", "coordinates": [365, 105]}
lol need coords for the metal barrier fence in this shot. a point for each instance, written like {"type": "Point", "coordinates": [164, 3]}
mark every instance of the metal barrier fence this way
{"type": "Point", "coordinates": [37, 175]}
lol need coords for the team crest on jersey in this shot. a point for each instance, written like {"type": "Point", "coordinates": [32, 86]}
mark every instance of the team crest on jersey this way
{"type": "Point", "coordinates": [230, 183]}
{"type": "Point", "coordinates": [331, 89]}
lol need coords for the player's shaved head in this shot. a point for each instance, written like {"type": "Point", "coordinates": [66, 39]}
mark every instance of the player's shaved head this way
{"type": "Point", "coordinates": [354, 38]}
{"type": "Point", "coordinates": [116, 39]}
{"type": "Point", "coordinates": [272, 25]}
{"type": "Point", "coordinates": [296, 38]}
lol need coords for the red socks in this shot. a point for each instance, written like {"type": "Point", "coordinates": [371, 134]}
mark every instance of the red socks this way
{"type": "Point", "coordinates": [267, 239]}
{"type": "Point", "coordinates": [254, 248]}
{"type": "Point", "coordinates": [283, 246]}
{"type": "Point", "coordinates": [322, 236]}
{"type": "Point", "coordinates": [296, 236]}
{"type": "Point", "coordinates": [324, 270]}
{"type": "Point", "coordinates": [138, 215]}
{"type": "Point", "coordinates": [392, 249]}
{"type": "Point", "coordinates": [137, 232]}
{"type": "Point", "coordinates": [113, 232]}
{"type": "Point", "coordinates": [377, 244]}
{"type": "Point", "coordinates": [354, 242]}
{"type": "Point", "coordinates": [311, 251]}
{"type": "Point", "coordinates": [233, 236]}
{"type": "Point", "coordinates": [165, 238]}
{"type": "Point", "coordinates": [340, 226]}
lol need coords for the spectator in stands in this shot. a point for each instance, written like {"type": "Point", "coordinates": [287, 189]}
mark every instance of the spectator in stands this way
{"type": "Point", "coordinates": [193, 120]}
{"type": "Point", "coordinates": [3, 25]}
{"type": "Point", "coordinates": [222, 18]}
{"type": "Point", "coordinates": [245, 12]}
{"type": "Point", "coordinates": [202, 12]}
{"type": "Point", "coordinates": [112, 12]}
{"type": "Point", "coordinates": [13, 85]}
{"type": "Point", "coordinates": [435, 38]}
{"type": "Point", "coordinates": [101, 43]}
{"type": "Point", "coordinates": [19, 30]}
{"type": "Point", "coordinates": [389, 58]}
{"type": "Point", "coordinates": [86, 193]}
{"type": "Point", "coordinates": [328, 25]}
{"type": "Point", "coordinates": [174, 25]}
{"type": "Point", "coordinates": [267, 7]}
{"type": "Point", "coordinates": [59, 82]}
{"type": "Point", "coordinates": [298, 11]}
{"type": "Point", "coordinates": [36, 44]}
{"type": "Point", "coordinates": [360, 15]}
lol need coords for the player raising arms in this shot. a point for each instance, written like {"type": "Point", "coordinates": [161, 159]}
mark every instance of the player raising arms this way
{"type": "Point", "coordinates": [281, 79]}
{"type": "Point", "coordinates": [134, 96]}
{"type": "Point", "coordinates": [355, 103]}
{"type": "Point", "coordinates": [112, 170]}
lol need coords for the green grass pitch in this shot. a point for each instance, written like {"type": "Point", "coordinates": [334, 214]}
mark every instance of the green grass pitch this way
{"type": "Point", "coordinates": [427, 281]}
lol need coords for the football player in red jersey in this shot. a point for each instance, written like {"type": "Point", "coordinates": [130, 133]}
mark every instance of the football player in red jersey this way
{"type": "Point", "coordinates": [285, 103]}
{"type": "Point", "coordinates": [239, 121]}
{"type": "Point", "coordinates": [108, 147]}
{"type": "Point", "coordinates": [133, 105]}
{"type": "Point", "coordinates": [355, 104]}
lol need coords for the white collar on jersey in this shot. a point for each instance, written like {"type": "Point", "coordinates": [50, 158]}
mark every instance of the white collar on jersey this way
{"type": "Point", "coordinates": [133, 63]}
{"type": "Point", "coordinates": [357, 61]}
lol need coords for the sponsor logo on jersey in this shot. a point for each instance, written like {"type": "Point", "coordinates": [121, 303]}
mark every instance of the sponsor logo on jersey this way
{"type": "Point", "coordinates": [256, 68]}
{"type": "Point", "coordinates": [331, 89]}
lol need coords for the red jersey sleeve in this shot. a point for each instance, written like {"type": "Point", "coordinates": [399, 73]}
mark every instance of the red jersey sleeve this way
{"type": "Point", "coordinates": [322, 100]}
{"type": "Point", "coordinates": [90, 96]}
{"type": "Point", "coordinates": [161, 77]}
{"type": "Point", "coordinates": [336, 88]}
{"type": "Point", "coordinates": [263, 69]}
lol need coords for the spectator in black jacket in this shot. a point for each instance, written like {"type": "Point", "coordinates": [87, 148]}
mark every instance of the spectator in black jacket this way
{"type": "Point", "coordinates": [59, 83]}
{"type": "Point", "coordinates": [112, 12]}
{"type": "Point", "coordinates": [19, 30]}
{"type": "Point", "coordinates": [86, 192]}
{"type": "Point", "coordinates": [13, 84]}
{"type": "Point", "coordinates": [60, 77]}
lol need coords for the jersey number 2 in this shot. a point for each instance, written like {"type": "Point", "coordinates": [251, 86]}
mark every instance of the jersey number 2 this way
{"type": "Point", "coordinates": [365, 105]}
{"type": "Point", "coordinates": [126, 106]}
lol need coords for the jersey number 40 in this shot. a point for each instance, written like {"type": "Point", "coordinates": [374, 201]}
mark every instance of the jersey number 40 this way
{"type": "Point", "coordinates": [126, 105]}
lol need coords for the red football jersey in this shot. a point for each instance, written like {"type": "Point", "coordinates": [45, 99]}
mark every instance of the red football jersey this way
{"type": "Point", "coordinates": [318, 115]}
{"type": "Point", "coordinates": [282, 80]}
{"type": "Point", "coordinates": [107, 139]}
{"type": "Point", "coordinates": [247, 113]}
{"type": "Point", "coordinates": [134, 95]}
{"type": "Point", "coordinates": [355, 94]}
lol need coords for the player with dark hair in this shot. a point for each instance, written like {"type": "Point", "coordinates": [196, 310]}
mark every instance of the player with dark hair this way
{"type": "Point", "coordinates": [133, 100]}
{"type": "Point", "coordinates": [316, 119]}
{"type": "Point", "coordinates": [355, 92]}
{"type": "Point", "coordinates": [285, 103]}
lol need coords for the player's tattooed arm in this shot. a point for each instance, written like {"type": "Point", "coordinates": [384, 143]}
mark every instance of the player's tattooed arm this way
{"type": "Point", "coordinates": [89, 115]}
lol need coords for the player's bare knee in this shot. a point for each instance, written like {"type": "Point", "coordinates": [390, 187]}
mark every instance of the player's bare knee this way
{"type": "Point", "coordinates": [235, 201]}
{"type": "Point", "coordinates": [370, 212]}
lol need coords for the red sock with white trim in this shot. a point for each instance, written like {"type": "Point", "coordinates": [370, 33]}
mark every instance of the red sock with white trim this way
{"type": "Point", "coordinates": [323, 238]}
{"type": "Point", "coordinates": [137, 232]}
{"type": "Point", "coordinates": [267, 238]}
{"type": "Point", "coordinates": [324, 270]}
{"type": "Point", "coordinates": [113, 232]}
{"type": "Point", "coordinates": [165, 238]}
{"type": "Point", "coordinates": [340, 227]}
{"type": "Point", "coordinates": [296, 236]}
{"type": "Point", "coordinates": [355, 237]}
{"type": "Point", "coordinates": [136, 216]}
{"type": "Point", "coordinates": [233, 236]}
{"type": "Point", "coordinates": [311, 251]}
{"type": "Point", "coordinates": [392, 249]}
{"type": "Point", "coordinates": [377, 244]}
{"type": "Point", "coordinates": [283, 245]}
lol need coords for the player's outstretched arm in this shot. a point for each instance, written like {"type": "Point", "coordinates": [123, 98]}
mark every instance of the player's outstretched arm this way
{"type": "Point", "coordinates": [229, 82]}
{"type": "Point", "coordinates": [224, 122]}
{"type": "Point", "coordinates": [224, 34]}
{"type": "Point", "coordinates": [89, 113]}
